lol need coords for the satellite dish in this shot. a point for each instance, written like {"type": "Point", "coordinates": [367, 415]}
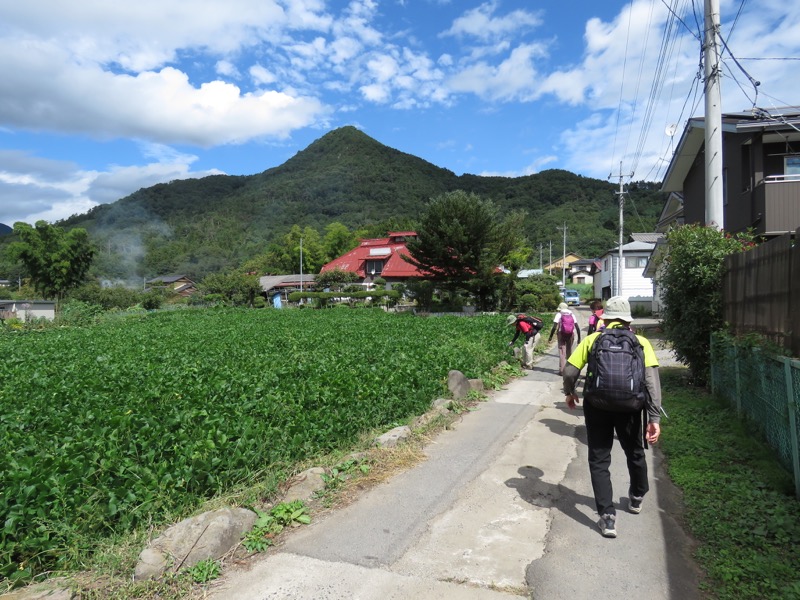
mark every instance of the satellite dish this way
{"type": "Point", "coordinates": [671, 129]}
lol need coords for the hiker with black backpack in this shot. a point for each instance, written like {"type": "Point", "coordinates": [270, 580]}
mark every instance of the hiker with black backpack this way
{"type": "Point", "coordinates": [529, 327]}
{"type": "Point", "coordinates": [622, 394]}
{"type": "Point", "coordinates": [564, 322]}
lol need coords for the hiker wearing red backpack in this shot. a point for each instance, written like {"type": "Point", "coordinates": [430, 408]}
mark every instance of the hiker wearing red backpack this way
{"type": "Point", "coordinates": [564, 323]}
{"type": "Point", "coordinates": [529, 327]}
{"type": "Point", "coordinates": [622, 396]}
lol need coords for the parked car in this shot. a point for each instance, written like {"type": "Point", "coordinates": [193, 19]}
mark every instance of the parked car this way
{"type": "Point", "coordinates": [572, 298]}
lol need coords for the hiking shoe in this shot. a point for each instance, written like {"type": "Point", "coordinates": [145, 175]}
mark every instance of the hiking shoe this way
{"type": "Point", "coordinates": [606, 524]}
{"type": "Point", "coordinates": [635, 504]}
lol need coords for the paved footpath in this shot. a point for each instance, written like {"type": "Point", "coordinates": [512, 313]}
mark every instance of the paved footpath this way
{"type": "Point", "coordinates": [501, 509]}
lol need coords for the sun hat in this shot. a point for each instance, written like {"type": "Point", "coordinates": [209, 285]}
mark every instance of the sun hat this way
{"type": "Point", "coordinates": [563, 307]}
{"type": "Point", "coordinates": [617, 308]}
{"type": "Point", "coordinates": [511, 319]}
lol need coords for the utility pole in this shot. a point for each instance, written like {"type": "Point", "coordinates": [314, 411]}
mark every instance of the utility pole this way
{"type": "Point", "coordinates": [301, 265]}
{"type": "Point", "coordinates": [713, 118]}
{"type": "Point", "coordinates": [541, 264]}
{"type": "Point", "coordinates": [620, 264]}
{"type": "Point", "coordinates": [564, 256]}
{"type": "Point", "coordinates": [550, 264]}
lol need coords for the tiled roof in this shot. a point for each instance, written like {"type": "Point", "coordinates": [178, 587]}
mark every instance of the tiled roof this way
{"type": "Point", "coordinates": [646, 237]}
{"type": "Point", "coordinates": [386, 248]}
{"type": "Point", "coordinates": [269, 282]}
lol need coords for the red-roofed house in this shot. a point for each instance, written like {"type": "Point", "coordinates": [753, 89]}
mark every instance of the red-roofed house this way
{"type": "Point", "coordinates": [378, 258]}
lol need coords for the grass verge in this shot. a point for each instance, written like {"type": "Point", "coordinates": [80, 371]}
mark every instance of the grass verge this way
{"type": "Point", "coordinates": [740, 503]}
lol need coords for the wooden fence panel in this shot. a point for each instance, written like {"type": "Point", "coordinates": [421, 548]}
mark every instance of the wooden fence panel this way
{"type": "Point", "coordinates": [757, 291]}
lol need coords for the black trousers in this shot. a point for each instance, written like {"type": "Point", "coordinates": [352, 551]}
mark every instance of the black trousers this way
{"type": "Point", "coordinates": [600, 428]}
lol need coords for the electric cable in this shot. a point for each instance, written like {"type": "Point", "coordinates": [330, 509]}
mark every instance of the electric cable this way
{"type": "Point", "coordinates": [639, 77]}
{"type": "Point", "coordinates": [697, 36]}
{"type": "Point", "coordinates": [621, 88]}
{"type": "Point", "coordinates": [666, 51]}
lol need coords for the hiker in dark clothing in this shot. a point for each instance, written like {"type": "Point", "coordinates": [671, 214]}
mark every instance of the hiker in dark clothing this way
{"type": "Point", "coordinates": [605, 415]}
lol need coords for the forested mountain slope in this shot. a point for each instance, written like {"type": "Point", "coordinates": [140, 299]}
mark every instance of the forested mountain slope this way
{"type": "Point", "coordinates": [198, 226]}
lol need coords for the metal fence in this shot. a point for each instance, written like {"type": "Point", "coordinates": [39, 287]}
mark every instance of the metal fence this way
{"type": "Point", "coordinates": [761, 291]}
{"type": "Point", "coordinates": [764, 388]}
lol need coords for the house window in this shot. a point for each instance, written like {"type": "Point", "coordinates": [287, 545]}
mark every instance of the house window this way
{"type": "Point", "coordinates": [747, 169]}
{"type": "Point", "coordinates": [791, 166]}
{"type": "Point", "coordinates": [374, 268]}
{"type": "Point", "coordinates": [635, 262]}
{"type": "Point", "coordinates": [605, 265]}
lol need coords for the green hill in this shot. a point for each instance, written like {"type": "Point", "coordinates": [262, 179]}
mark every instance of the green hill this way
{"type": "Point", "coordinates": [198, 226]}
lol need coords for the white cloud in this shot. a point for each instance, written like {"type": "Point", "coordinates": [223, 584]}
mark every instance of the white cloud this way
{"type": "Point", "coordinates": [44, 90]}
{"type": "Point", "coordinates": [127, 34]}
{"type": "Point", "coordinates": [482, 23]}
{"type": "Point", "coordinates": [120, 181]}
{"type": "Point", "coordinates": [375, 92]}
{"type": "Point", "coordinates": [262, 75]}
{"type": "Point", "coordinates": [227, 69]}
{"type": "Point", "coordinates": [382, 67]}
{"type": "Point", "coordinates": [34, 188]}
{"type": "Point", "coordinates": [344, 49]}
{"type": "Point", "coordinates": [515, 78]}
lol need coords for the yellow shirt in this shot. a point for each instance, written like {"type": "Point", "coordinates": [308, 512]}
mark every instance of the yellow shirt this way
{"type": "Point", "coordinates": [581, 354]}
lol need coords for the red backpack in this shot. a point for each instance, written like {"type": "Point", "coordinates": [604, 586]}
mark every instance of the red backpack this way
{"type": "Point", "coordinates": [567, 323]}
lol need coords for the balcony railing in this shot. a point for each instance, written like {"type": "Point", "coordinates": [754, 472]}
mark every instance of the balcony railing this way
{"type": "Point", "coordinates": [776, 204]}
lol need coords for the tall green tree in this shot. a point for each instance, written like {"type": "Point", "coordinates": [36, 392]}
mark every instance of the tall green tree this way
{"type": "Point", "coordinates": [286, 251]}
{"type": "Point", "coordinates": [56, 260]}
{"type": "Point", "coordinates": [338, 240]}
{"type": "Point", "coordinates": [462, 241]}
{"type": "Point", "coordinates": [692, 295]}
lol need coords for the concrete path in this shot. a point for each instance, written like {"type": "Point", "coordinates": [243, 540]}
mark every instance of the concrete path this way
{"type": "Point", "coordinates": [502, 508]}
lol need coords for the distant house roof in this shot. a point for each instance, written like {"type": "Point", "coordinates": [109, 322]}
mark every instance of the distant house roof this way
{"type": "Point", "coordinates": [584, 262]}
{"type": "Point", "coordinates": [181, 284]}
{"type": "Point", "coordinates": [169, 279]}
{"type": "Point", "coordinates": [645, 237]}
{"type": "Point", "coordinates": [633, 247]}
{"type": "Point", "coordinates": [389, 250]}
{"type": "Point", "coordinates": [524, 273]}
{"type": "Point", "coordinates": [585, 265]}
{"type": "Point", "coordinates": [271, 282]}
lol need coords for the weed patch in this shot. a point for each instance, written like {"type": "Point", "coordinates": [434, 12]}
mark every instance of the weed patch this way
{"type": "Point", "coordinates": [740, 503]}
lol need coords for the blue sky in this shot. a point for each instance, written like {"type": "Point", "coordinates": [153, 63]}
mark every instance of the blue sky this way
{"type": "Point", "coordinates": [99, 99]}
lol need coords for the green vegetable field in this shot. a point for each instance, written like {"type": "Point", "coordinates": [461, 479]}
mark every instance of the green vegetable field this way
{"type": "Point", "coordinates": [110, 427]}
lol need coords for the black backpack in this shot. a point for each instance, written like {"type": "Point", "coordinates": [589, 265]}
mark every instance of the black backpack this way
{"type": "Point", "coordinates": [615, 375]}
{"type": "Point", "coordinates": [535, 322]}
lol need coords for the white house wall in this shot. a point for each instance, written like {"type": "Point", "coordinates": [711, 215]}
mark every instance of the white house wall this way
{"type": "Point", "coordinates": [25, 311]}
{"type": "Point", "coordinates": [635, 286]}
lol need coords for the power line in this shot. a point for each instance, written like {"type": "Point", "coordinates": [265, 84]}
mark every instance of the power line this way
{"type": "Point", "coordinates": [639, 80]}
{"type": "Point", "coordinates": [753, 82]}
{"type": "Point", "coordinates": [770, 58]}
{"type": "Point", "coordinates": [674, 14]}
{"type": "Point", "coordinates": [736, 18]}
{"type": "Point", "coordinates": [666, 51]}
{"type": "Point", "coordinates": [621, 87]}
